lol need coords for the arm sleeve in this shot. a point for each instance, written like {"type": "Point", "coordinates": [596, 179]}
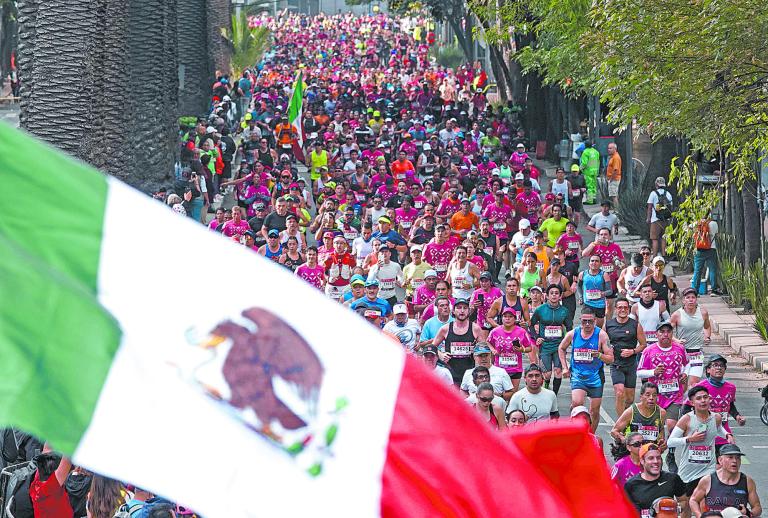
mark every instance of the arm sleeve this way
{"type": "Point", "coordinates": [676, 438]}
{"type": "Point", "coordinates": [645, 373]}
{"type": "Point", "coordinates": [732, 410]}
{"type": "Point", "coordinates": [722, 432]}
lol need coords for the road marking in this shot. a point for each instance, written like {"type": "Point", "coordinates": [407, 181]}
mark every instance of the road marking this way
{"type": "Point", "coordinates": [760, 447]}
{"type": "Point", "coordinates": [752, 435]}
{"type": "Point", "coordinates": [608, 419]}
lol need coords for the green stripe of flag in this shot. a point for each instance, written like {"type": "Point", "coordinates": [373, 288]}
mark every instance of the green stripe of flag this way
{"type": "Point", "coordinates": [56, 343]}
{"type": "Point", "coordinates": [297, 99]}
{"type": "Point", "coordinates": [51, 205]}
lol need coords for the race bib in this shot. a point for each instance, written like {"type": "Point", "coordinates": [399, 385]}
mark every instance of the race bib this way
{"type": "Point", "coordinates": [724, 416]}
{"type": "Point", "coordinates": [645, 513]}
{"type": "Point", "coordinates": [669, 387]}
{"type": "Point", "coordinates": [461, 350]}
{"type": "Point", "coordinates": [387, 284]}
{"type": "Point", "coordinates": [594, 294]}
{"type": "Point", "coordinates": [418, 205]}
{"type": "Point", "coordinates": [576, 192]}
{"type": "Point", "coordinates": [649, 433]}
{"type": "Point", "coordinates": [499, 226]}
{"type": "Point", "coordinates": [540, 265]}
{"type": "Point", "coordinates": [349, 236]}
{"type": "Point", "coordinates": [573, 245]}
{"type": "Point", "coordinates": [553, 332]}
{"type": "Point", "coordinates": [417, 283]}
{"type": "Point", "coordinates": [406, 224]}
{"type": "Point", "coordinates": [650, 336]}
{"type": "Point", "coordinates": [488, 250]}
{"type": "Point", "coordinates": [696, 359]}
{"type": "Point", "coordinates": [607, 268]}
{"type": "Point", "coordinates": [441, 267]}
{"type": "Point", "coordinates": [508, 361]}
{"type": "Point", "coordinates": [699, 454]}
{"type": "Point", "coordinates": [582, 355]}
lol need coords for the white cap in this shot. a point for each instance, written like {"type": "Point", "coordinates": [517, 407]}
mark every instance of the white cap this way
{"type": "Point", "coordinates": [430, 273]}
{"type": "Point", "coordinates": [658, 259]}
{"type": "Point", "coordinates": [427, 147]}
{"type": "Point", "coordinates": [226, 98]}
{"type": "Point", "coordinates": [519, 176]}
{"type": "Point", "coordinates": [580, 410]}
{"type": "Point", "coordinates": [731, 512]}
{"type": "Point", "coordinates": [210, 129]}
{"type": "Point", "coordinates": [661, 182]}
{"type": "Point", "coordinates": [400, 309]}
{"type": "Point", "coordinates": [524, 223]}
{"type": "Point", "coordinates": [495, 171]}
{"type": "Point", "coordinates": [521, 145]}
{"type": "Point", "coordinates": [417, 247]}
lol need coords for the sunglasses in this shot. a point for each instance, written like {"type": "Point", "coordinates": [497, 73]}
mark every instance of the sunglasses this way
{"type": "Point", "coordinates": [645, 253]}
{"type": "Point", "coordinates": [588, 322]}
{"type": "Point", "coordinates": [485, 399]}
{"type": "Point", "coordinates": [635, 444]}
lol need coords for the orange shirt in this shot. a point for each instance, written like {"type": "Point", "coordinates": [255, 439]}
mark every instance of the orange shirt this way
{"type": "Point", "coordinates": [461, 221]}
{"type": "Point", "coordinates": [613, 171]}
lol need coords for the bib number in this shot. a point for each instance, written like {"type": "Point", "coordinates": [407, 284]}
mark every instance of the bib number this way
{"type": "Point", "coordinates": [649, 433]}
{"type": "Point", "coordinates": [540, 265]}
{"type": "Point", "coordinates": [696, 359]}
{"type": "Point", "coordinates": [582, 355]}
{"type": "Point", "coordinates": [387, 284]}
{"type": "Point", "coordinates": [699, 454]}
{"type": "Point", "coordinates": [499, 226]}
{"type": "Point", "coordinates": [607, 268]}
{"type": "Point", "coordinates": [441, 267]}
{"type": "Point", "coordinates": [650, 336]}
{"type": "Point", "coordinates": [576, 192]}
{"type": "Point", "coordinates": [553, 332]}
{"type": "Point", "coordinates": [406, 224]}
{"type": "Point", "coordinates": [460, 350]}
{"type": "Point", "coordinates": [508, 361]}
{"type": "Point", "coordinates": [573, 245]}
{"type": "Point", "coordinates": [594, 294]}
{"type": "Point", "coordinates": [669, 387]}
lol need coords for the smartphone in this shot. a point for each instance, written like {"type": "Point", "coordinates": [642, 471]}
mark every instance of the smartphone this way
{"type": "Point", "coordinates": [481, 298]}
{"type": "Point", "coordinates": [702, 428]}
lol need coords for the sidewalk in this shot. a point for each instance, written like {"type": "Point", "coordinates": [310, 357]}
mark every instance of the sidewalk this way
{"type": "Point", "coordinates": [737, 330]}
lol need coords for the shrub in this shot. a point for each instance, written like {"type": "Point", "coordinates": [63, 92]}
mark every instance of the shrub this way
{"type": "Point", "coordinates": [632, 204]}
{"type": "Point", "coordinates": [450, 56]}
{"type": "Point", "coordinates": [757, 293]}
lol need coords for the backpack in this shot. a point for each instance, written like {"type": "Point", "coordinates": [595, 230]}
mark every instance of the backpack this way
{"type": "Point", "coordinates": [701, 235]}
{"type": "Point", "coordinates": [663, 206]}
{"type": "Point", "coordinates": [124, 511]}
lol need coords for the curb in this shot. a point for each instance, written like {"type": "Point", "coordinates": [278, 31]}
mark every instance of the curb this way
{"type": "Point", "coordinates": [737, 330]}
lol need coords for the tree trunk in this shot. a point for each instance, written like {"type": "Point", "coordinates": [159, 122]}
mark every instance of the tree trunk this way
{"type": "Point", "coordinates": [508, 79]}
{"type": "Point", "coordinates": [219, 17]}
{"type": "Point", "coordinates": [466, 45]}
{"type": "Point", "coordinates": [752, 222]}
{"type": "Point", "coordinates": [194, 66]}
{"type": "Point", "coordinates": [27, 27]}
{"type": "Point", "coordinates": [501, 82]}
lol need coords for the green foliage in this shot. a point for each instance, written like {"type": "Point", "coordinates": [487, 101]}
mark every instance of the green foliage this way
{"type": "Point", "coordinates": [731, 269]}
{"type": "Point", "coordinates": [633, 205]}
{"type": "Point", "coordinates": [450, 56]}
{"type": "Point", "coordinates": [187, 120]}
{"type": "Point", "coordinates": [757, 294]}
{"type": "Point", "coordinates": [248, 45]}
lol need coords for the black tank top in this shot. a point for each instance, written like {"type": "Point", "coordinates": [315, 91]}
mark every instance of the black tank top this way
{"type": "Point", "coordinates": [459, 346]}
{"type": "Point", "coordinates": [292, 264]}
{"type": "Point", "coordinates": [661, 289]}
{"type": "Point", "coordinates": [649, 427]}
{"type": "Point", "coordinates": [622, 336]}
{"type": "Point", "coordinates": [517, 306]}
{"type": "Point", "coordinates": [266, 159]}
{"type": "Point", "coordinates": [722, 495]}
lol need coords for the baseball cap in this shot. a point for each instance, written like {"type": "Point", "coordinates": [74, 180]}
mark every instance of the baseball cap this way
{"type": "Point", "coordinates": [660, 181]}
{"type": "Point", "coordinates": [645, 448]}
{"type": "Point", "coordinates": [461, 301]}
{"type": "Point", "coordinates": [519, 176]}
{"type": "Point", "coordinates": [606, 203]}
{"type": "Point", "coordinates": [730, 449]}
{"type": "Point", "coordinates": [427, 147]}
{"type": "Point", "coordinates": [535, 288]}
{"type": "Point", "coordinates": [581, 409]}
{"type": "Point", "coordinates": [665, 507]}
{"type": "Point", "coordinates": [260, 206]}
{"type": "Point", "coordinates": [372, 282]}
{"type": "Point", "coordinates": [273, 233]}
{"type": "Point", "coordinates": [430, 349]}
{"type": "Point", "coordinates": [509, 309]}
{"type": "Point", "coordinates": [665, 323]}
{"type": "Point", "coordinates": [430, 273]}
{"type": "Point", "coordinates": [533, 367]}
{"type": "Point", "coordinates": [486, 275]}
{"type": "Point", "coordinates": [524, 223]}
{"type": "Point", "coordinates": [658, 259]}
{"type": "Point", "coordinates": [575, 168]}
{"type": "Point", "coordinates": [731, 512]}
{"type": "Point", "coordinates": [357, 279]}
{"type": "Point", "coordinates": [372, 313]}
{"type": "Point", "coordinates": [715, 358]}
{"type": "Point", "coordinates": [417, 248]}
{"type": "Point", "coordinates": [481, 348]}
{"type": "Point", "coordinates": [400, 309]}
{"type": "Point", "coordinates": [689, 290]}
{"type": "Point", "coordinates": [384, 219]}
{"type": "Point", "coordinates": [520, 146]}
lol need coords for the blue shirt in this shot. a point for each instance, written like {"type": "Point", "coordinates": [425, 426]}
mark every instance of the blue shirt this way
{"type": "Point", "coordinates": [585, 369]}
{"type": "Point", "coordinates": [389, 237]}
{"type": "Point", "coordinates": [432, 326]}
{"type": "Point", "coordinates": [379, 303]}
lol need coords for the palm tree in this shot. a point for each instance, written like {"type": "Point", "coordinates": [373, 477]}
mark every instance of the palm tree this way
{"type": "Point", "coordinates": [194, 63]}
{"type": "Point", "coordinates": [219, 19]}
{"type": "Point", "coordinates": [248, 44]}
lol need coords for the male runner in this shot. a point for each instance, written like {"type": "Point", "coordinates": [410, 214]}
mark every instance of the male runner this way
{"type": "Point", "coordinates": [628, 341]}
{"type": "Point", "coordinates": [549, 322]}
{"type": "Point", "coordinates": [459, 337]}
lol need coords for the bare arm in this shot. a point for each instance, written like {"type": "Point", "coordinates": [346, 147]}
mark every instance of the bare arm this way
{"type": "Point", "coordinates": [698, 495]}
{"type": "Point", "coordinates": [63, 470]}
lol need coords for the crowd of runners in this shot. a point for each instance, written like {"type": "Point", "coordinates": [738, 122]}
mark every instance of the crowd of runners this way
{"type": "Point", "coordinates": [423, 212]}
{"type": "Point", "coordinates": [409, 198]}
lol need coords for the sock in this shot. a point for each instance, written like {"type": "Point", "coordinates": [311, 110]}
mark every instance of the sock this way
{"type": "Point", "coordinates": [546, 384]}
{"type": "Point", "coordinates": [556, 385]}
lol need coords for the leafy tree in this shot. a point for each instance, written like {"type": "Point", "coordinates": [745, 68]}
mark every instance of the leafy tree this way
{"type": "Point", "coordinates": [247, 44]}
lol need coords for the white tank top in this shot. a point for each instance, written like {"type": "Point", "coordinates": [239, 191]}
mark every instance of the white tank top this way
{"type": "Point", "coordinates": [462, 284]}
{"type": "Point", "coordinates": [649, 319]}
{"type": "Point", "coordinates": [690, 329]}
{"type": "Point", "coordinates": [633, 281]}
{"type": "Point", "coordinates": [561, 188]}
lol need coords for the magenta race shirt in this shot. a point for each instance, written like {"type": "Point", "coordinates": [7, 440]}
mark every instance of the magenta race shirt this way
{"type": "Point", "coordinates": [447, 207]}
{"type": "Point", "coordinates": [532, 202]}
{"type": "Point", "coordinates": [488, 298]}
{"type": "Point", "coordinates": [674, 360]}
{"type": "Point", "coordinates": [406, 218]}
{"type": "Point", "coordinates": [624, 469]}
{"type": "Point", "coordinates": [518, 161]}
{"type": "Point", "coordinates": [424, 295]}
{"type": "Point", "coordinates": [501, 215]}
{"type": "Point", "coordinates": [439, 256]}
{"type": "Point", "coordinates": [722, 397]}
{"type": "Point", "coordinates": [477, 261]}
{"type": "Point", "coordinates": [607, 254]}
{"type": "Point", "coordinates": [252, 191]}
{"type": "Point", "coordinates": [236, 230]}
{"type": "Point", "coordinates": [313, 276]}
{"type": "Point", "coordinates": [571, 245]}
{"type": "Point", "coordinates": [419, 202]}
{"type": "Point", "coordinates": [507, 358]}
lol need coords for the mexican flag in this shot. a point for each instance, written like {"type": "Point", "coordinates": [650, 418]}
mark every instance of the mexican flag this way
{"type": "Point", "coordinates": [253, 395]}
{"type": "Point", "coordinates": [296, 114]}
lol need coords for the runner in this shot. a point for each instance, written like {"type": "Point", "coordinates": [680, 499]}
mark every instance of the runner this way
{"type": "Point", "coordinates": [389, 275]}
{"type": "Point", "coordinates": [628, 341]}
{"type": "Point", "coordinates": [548, 325]}
{"type": "Point", "coordinates": [653, 483]}
{"type": "Point", "coordinates": [692, 329]}
{"type": "Point", "coordinates": [648, 312]}
{"type": "Point", "coordinates": [510, 299]}
{"type": "Point", "coordinates": [611, 262]}
{"type": "Point", "coordinates": [590, 352]}
{"type": "Point", "coordinates": [510, 341]}
{"type": "Point", "coordinates": [482, 300]}
{"type": "Point", "coordinates": [463, 275]}
{"type": "Point", "coordinates": [429, 355]}
{"type": "Point", "coordinates": [338, 269]}
{"type": "Point", "coordinates": [596, 286]}
{"type": "Point", "coordinates": [534, 400]}
{"type": "Point", "coordinates": [628, 466]}
{"type": "Point", "coordinates": [499, 378]}
{"type": "Point", "coordinates": [459, 337]}
{"type": "Point", "coordinates": [406, 330]}
{"type": "Point", "coordinates": [727, 487]}
{"type": "Point", "coordinates": [631, 277]}
{"type": "Point", "coordinates": [665, 363]}
{"type": "Point", "coordinates": [645, 417]}
{"type": "Point", "coordinates": [489, 411]}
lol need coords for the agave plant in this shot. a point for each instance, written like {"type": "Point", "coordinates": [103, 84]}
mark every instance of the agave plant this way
{"type": "Point", "coordinates": [757, 293]}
